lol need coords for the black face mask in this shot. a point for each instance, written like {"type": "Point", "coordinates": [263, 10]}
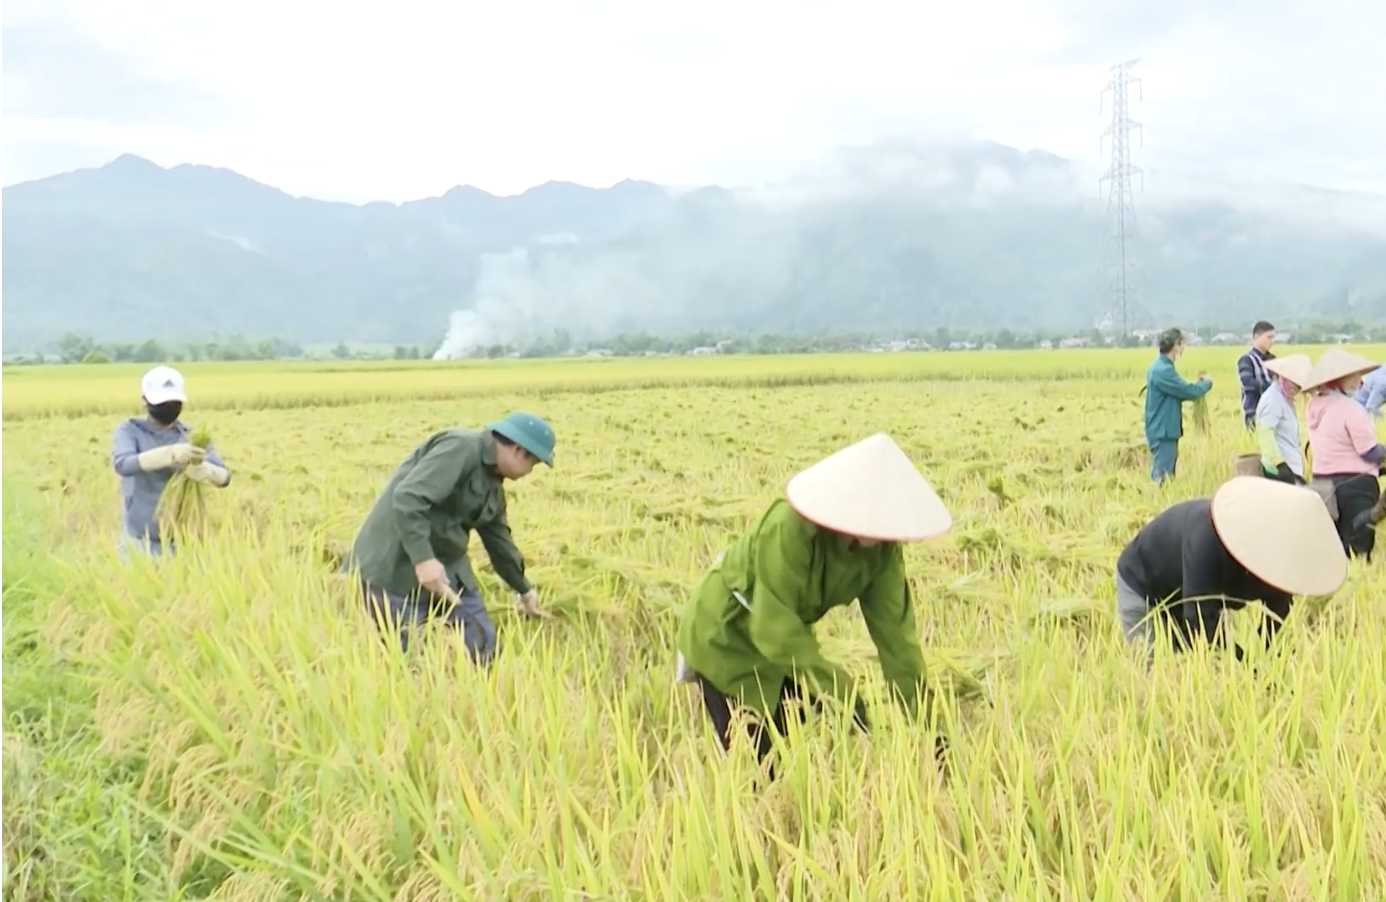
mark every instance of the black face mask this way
{"type": "Point", "coordinates": [166, 412]}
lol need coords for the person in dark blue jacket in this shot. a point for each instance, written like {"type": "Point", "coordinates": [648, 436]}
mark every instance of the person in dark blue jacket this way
{"type": "Point", "coordinates": [1256, 380]}
{"type": "Point", "coordinates": [1165, 394]}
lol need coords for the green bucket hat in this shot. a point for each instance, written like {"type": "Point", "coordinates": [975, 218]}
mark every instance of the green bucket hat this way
{"type": "Point", "coordinates": [528, 431]}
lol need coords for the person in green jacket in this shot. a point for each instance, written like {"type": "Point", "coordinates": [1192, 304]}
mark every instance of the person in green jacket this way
{"type": "Point", "coordinates": [410, 555]}
{"type": "Point", "coordinates": [746, 635]}
{"type": "Point", "coordinates": [1165, 394]}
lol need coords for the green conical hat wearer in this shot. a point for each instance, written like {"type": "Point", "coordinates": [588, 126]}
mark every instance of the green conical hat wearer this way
{"type": "Point", "coordinates": [529, 431]}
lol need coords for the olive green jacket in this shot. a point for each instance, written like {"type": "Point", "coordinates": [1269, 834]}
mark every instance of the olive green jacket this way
{"type": "Point", "coordinates": [445, 488]}
{"type": "Point", "coordinates": [791, 573]}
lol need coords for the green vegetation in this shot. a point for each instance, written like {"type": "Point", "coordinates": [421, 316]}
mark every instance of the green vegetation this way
{"type": "Point", "coordinates": [226, 724]}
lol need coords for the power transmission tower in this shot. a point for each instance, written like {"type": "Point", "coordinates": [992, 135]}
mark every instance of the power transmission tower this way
{"type": "Point", "coordinates": [1121, 208]}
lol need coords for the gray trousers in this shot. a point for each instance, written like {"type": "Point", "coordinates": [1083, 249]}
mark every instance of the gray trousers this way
{"type": "Point", "coordinates": [142, 545]}
{"type": "Point", "coordinates": [404, 614]}
{"type": "Point", "coordinates": [1135, 614]}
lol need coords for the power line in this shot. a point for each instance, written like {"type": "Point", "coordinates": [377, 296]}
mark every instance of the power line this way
{"type": "Point", "coordinates": [1121, 209]}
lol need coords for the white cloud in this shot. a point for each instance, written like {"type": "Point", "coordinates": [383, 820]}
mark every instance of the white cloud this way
{"type": "Point", "coordinates": [402, 100]}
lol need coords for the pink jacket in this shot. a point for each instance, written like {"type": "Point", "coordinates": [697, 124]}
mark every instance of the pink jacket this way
{"type": "Point", "coordinates": [1340, 432]}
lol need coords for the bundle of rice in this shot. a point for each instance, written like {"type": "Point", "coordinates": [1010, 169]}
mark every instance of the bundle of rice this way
{"type": "Point", "coordinates": [182, 508]}
{"type": "Point", "coordinates": [1200, 413]}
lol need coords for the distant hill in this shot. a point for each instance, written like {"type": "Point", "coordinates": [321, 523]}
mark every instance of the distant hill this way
{"type": "Point", "coordinates": [891, 235]}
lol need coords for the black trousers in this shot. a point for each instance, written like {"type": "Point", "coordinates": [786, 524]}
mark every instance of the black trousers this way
{"type": "Point", "coordinates": [720, 707]}
{"type": "Point", "coordinates": [792, 696]}
{"type": "Point", "coordinates": [1356, 494]}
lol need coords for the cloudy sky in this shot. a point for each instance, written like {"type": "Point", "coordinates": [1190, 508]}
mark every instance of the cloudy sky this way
{"type": "Point", "coordinates": [405, 99]}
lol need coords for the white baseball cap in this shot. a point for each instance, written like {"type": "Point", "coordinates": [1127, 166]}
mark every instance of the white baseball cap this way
{"type": "Point", "coordinates": [163, 383]}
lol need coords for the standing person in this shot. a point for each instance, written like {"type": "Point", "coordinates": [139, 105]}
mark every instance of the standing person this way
{"type": "Point", "coordinates": [1277, 421]}
{"type": "Point", "coordinates": [1346, 450]}
{"type": "Point", "coordinates": [1254, 540]}
{"type": "Point", "coordinates": [1165, 394]}
{"type": "Point", "coordinates": [1372, 392]}
{"type": "Point", "coordinates": [146, 451]}
{"type": "Point", "coordinates": [746, 635]}
{"type": "Point", "coordinates": [1251, 370]}
{"type": "Point", "coordinates": [411, 551]}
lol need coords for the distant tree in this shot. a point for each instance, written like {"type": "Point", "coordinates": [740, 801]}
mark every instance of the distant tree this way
{"type": "Point", "coordinates": [149, 352]}
{"type": "Point", "coordinates": [73, 347]}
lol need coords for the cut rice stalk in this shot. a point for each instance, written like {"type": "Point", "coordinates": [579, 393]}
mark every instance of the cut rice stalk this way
{"type": "Point", "coordinates": [1201, 420]}
{"type": "Point", "coordinates": [182, 508]}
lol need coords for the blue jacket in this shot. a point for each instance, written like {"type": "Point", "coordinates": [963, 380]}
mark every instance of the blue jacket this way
{"type": "Point", "coordinates": [1372, 392]}
{"type": "Point", "coordinates": [1165, 394]}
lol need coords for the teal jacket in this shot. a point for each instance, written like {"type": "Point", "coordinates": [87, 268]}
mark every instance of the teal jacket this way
{"type": "Point", "coordinates": [791, 574]}
{"type": "Point", "coordinates": [1165, 394]}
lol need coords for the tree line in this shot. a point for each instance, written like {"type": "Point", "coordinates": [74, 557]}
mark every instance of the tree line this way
{"type": "Point", "coordinates": [74, 348]}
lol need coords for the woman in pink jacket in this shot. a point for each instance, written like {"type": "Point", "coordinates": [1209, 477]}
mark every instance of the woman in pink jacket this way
{"type": "Point", "coordinates": [1345, 447]}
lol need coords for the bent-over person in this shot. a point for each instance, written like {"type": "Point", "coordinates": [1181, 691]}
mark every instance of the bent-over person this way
{"type": "Point", "coordinates": [411, 552]}
{"type": "Point", "coordinates": [746, 636]}
{"type": "Point", "coordinates": [1255, 540]}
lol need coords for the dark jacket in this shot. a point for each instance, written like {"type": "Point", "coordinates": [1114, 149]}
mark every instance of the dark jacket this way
{"type": "Point", "coordinates": [446, 487]}
{"type": "Point", "coordinates": [1178, 560]}
{"type": "Point", "coordinates": [1251, 372]}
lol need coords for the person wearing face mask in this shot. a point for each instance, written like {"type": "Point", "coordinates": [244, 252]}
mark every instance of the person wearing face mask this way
{"type": "Point", "coordinates": [146, 452]}
{"type": "Point", "coordinates": [410, 555]}
{"type": "Point", "coordinates": [1277, 423]}
{"type": "Point", "coordinates": [1165, 393]}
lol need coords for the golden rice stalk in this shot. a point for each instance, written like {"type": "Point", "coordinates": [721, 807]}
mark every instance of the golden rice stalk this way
{"type": "Point", "coordinates": [182, 508]}
{"type": "Point", "coordinates": [1201, 420]}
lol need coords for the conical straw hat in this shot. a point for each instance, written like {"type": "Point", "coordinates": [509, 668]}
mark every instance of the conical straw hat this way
{"type": "Point", "coordinates": [870, 490]}
{"type": "Point", "coordinates": [1281, 533]}
{"type": "Point", "coordinates": [1295, 367]}
{"type": "Point", "coordinates": [1337, 363]}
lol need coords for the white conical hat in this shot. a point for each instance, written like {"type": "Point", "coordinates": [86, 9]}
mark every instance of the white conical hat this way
{"type": "Point", "coordinates": [1337, 363]}
{"type": "Point", "coordinates": [870, 490]}
{"type": "Point", "coordinates": [1295, 367]}
{"type": "Point", "coordinates": [1281, 533]}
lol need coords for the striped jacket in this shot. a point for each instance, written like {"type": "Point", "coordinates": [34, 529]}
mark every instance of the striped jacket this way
{"type": "Point", "coordinates": [1251, 371]}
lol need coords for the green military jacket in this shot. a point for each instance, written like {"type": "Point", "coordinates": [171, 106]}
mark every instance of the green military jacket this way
{"type": "Point", "coordinates": [445, 488]}
{"type": "Point", "coordinates": [791, 573]}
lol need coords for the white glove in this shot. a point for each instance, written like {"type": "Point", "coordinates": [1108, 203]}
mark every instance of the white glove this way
{"type": "Point", "coordinates": [529, 605]}
{"type": "Point", "coordinates": [179, 455]}
{"type": "Point", "coordinates": [208, 472]}
{"type": "Point", "coordinates": [682, 672]}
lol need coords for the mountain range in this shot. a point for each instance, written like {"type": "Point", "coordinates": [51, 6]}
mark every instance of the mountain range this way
{"type": "Point", "coordinates": [888, 236]}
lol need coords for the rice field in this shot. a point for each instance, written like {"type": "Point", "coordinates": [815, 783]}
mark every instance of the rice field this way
{"type": "Point", "coordinates": [227, 725]}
